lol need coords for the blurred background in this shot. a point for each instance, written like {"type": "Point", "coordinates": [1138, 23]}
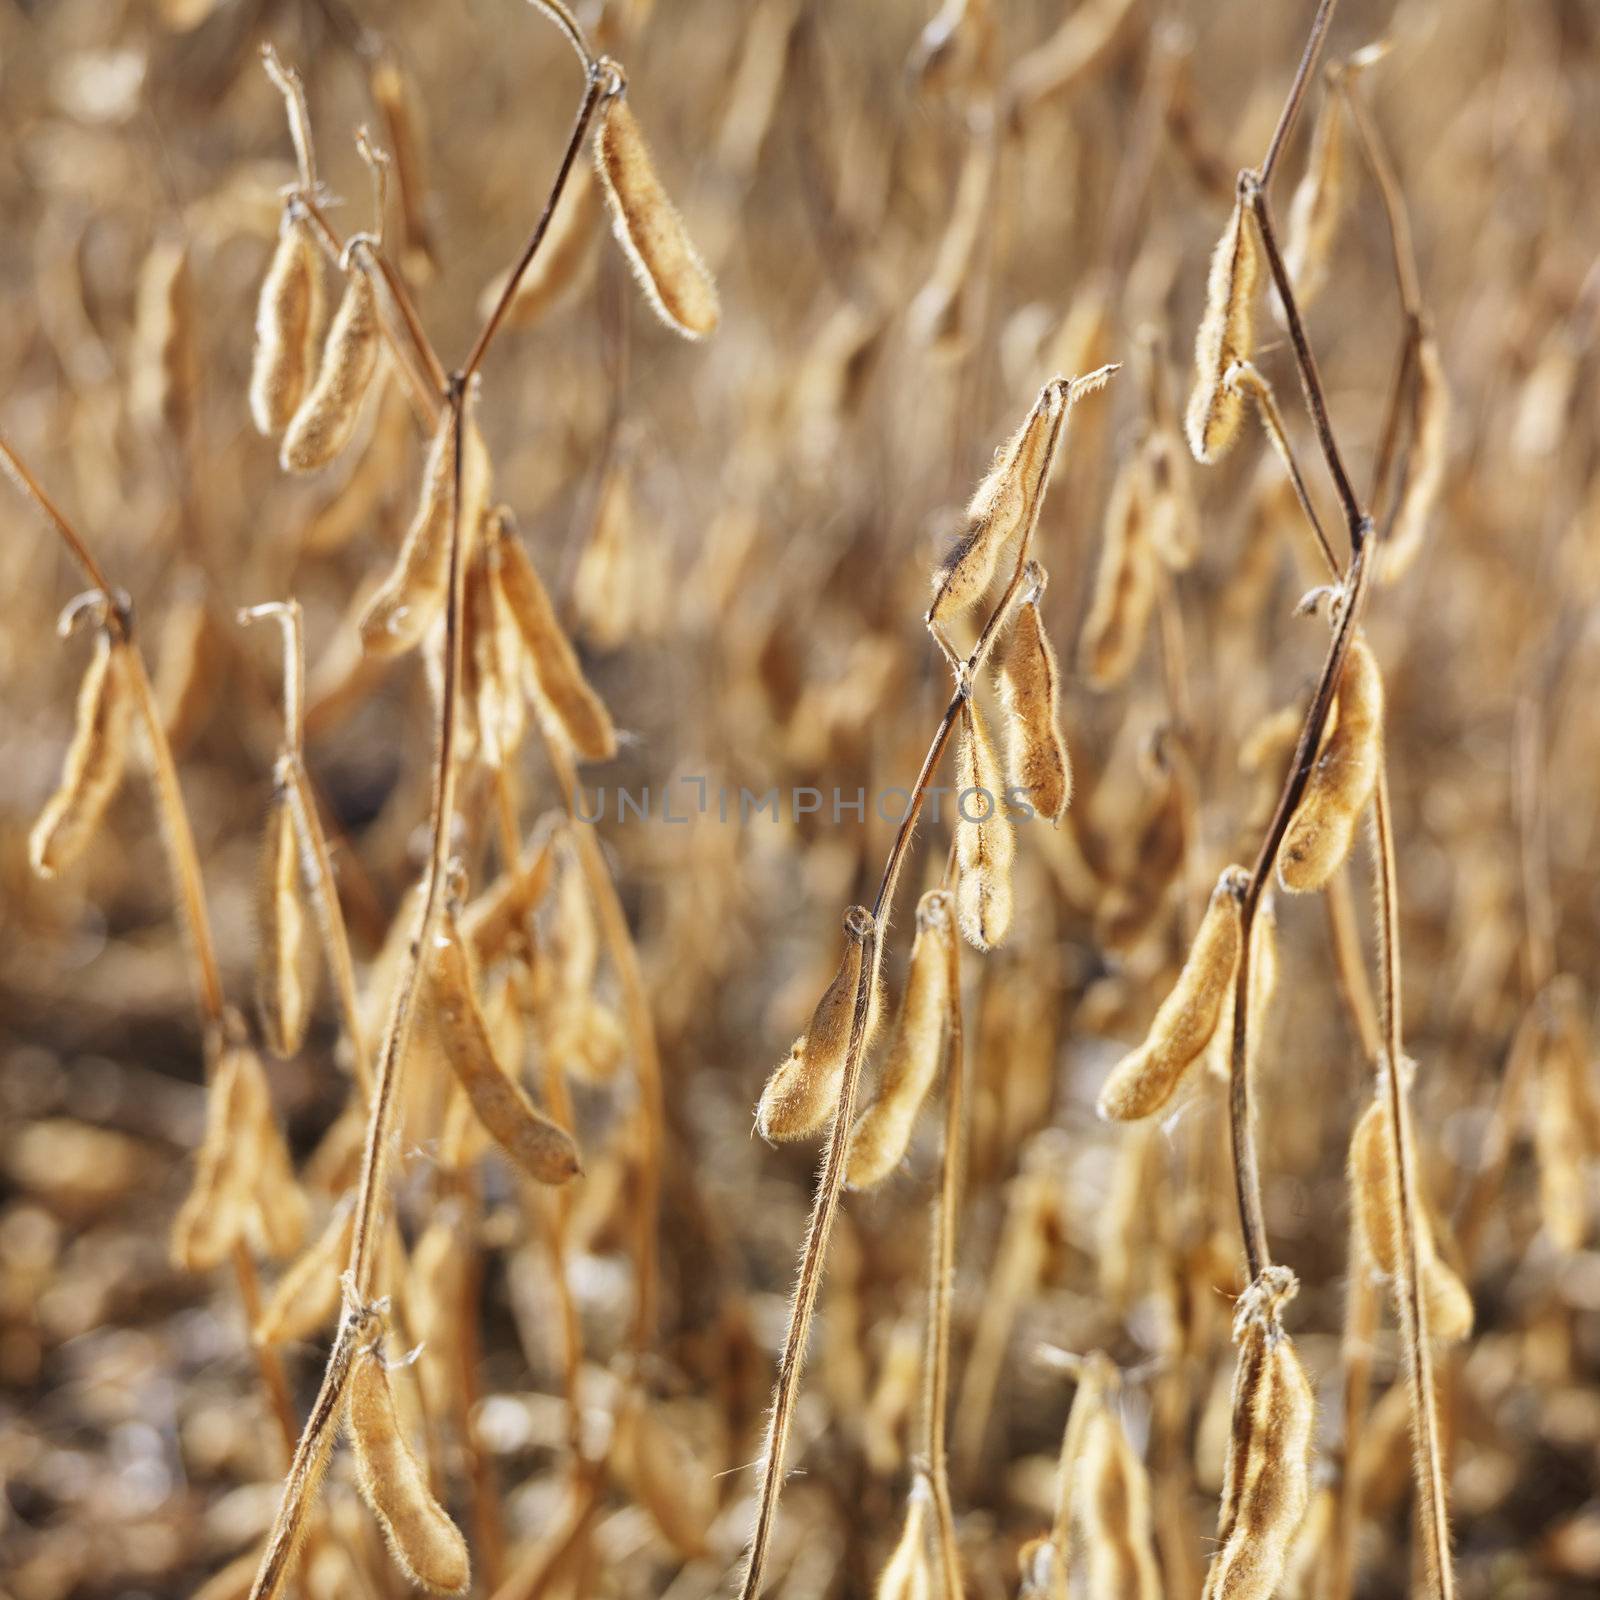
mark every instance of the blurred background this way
{"type": "Point", "coordinates": [914, 220]}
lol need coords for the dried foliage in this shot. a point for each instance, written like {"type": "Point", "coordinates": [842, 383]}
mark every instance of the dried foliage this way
{"type": "Point", "coordinates": [1184, 1180]}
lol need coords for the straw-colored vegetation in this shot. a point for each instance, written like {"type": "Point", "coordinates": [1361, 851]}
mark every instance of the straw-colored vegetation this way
{"type": "Point", "coordinates": [1045, 553]}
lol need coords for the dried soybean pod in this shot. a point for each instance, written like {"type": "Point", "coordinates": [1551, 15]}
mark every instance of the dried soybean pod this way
{"type": "Point", "coordinates": [575, 706]}
{"type": "Point", "coordinates": [542, 1149]}
{"type": "Point", "coordinates": [675, 280]}
{"type": "Point", "coordinates": [658, 1469]}
{"type": "Point", "coordinates": [1115, 1510]}
{"type": "Point", "coordinates": [305, 1299]}
{"type": "Point", "coordinates": [985, 841]}
{"type": "Point", "coordinates": [94, 764]}
{"type": "Point", "coordinates": [1265, 1487]}
{"type": "Point", "coordinates": [426, 1545]}
{"type": "Point", "coordinates": [278, 1208]}
{"type": "Point", "coordinates": [1030, 692]}
{"type": "Point", "coordinates": [413, 594]}
{"type": "Point", "coordinates": [1042, 1572]}
{"type": "Point", "coordinates": [1318, 202]}
{"type": "Point", "coordinates": [322, 425]}
{"type": "Point", "coordinates": [166, 369]}
{"type": "Point", "coordinates": [288, 316]}
{"type": "Point", "coordinates": [1319, 834]}
{"type": "Point", "coordinates": [1375, 1203]}
{"type": "Point", "coordinates": [1263, 985]}
{"type": "Point", "coordinates": [286, 969]}
{"type": "Point", "coordinates": [1425, 472]}
{"type": "Point", "coordinates": [1001, 505]}
{"type": "Point", "coordinates": [1145, 1080]}
{"type": "Point", "coordinates": [213, 1215]}
{"type": "Point", "coordinates": [908, 1573]}
{"type": "Point", "coordinates": [1124, 583]}
{"type": "Point", "coordinates": [883, 1130]}
{"type": "Point", "coordinates": [803, 1090]}
{"type": "Point", "coordinates": [1225, 336]}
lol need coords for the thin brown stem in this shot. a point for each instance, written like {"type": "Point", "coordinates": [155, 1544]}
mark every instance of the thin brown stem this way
{"type": "Point", "coordinates": [17, 470]}
{"type": "Point", "coordinates": [1246, 1167]}
{"type": "Point", "coordinates": [1408, 1285]}
{"type": "Point", "coordinates": [1250, 382]}
{"type": "Point", "coordinates": [368, 1224]}
{"type": "Point", "coordinates": [603, 80]}
{"type": "Point", "coordinates": [1349, 969]}
{"type": "Point", "coordinates": [1297, 89]}
{"type": "Point", "coordinates": [268, 1364]}
{"type": "Point", "coordinates": [316, 859]}
{"type": "Point", "coordinates": [941, 1276]}
{"type": "Point", "coordinates": [1305, 358]}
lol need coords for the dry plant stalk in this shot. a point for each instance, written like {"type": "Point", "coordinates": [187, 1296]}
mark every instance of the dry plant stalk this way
{"type": "Point", "coordinates": [1019, 478]}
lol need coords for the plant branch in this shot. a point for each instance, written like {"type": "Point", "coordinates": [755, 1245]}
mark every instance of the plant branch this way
{"type": "Point", "coordinates": [1297, 89]}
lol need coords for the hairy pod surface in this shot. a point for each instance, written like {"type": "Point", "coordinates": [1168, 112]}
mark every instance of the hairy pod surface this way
{"type": "Point", "coordinates": [1266, 1485]}
{"type": "Point", "coordinates": [675, 280]}
{"type": "Point", "coordinates": [883, 1130]}
{"type": "Point", "coordinates": [1375, 1201]}
{"type": "Point", "coordinates": [1145, 1080]}
{"type": "Point", "coordinates": [1001, 505]}
{"type": "Point", "coordinates": [1322, 829]}
{"type": "Point", "coordinates": [285, 958]}
{"type": "Point", "coordinates": [416, 591]}
{"type": "Point", "coordinates": [577, 710]}
{"type": "Point", "coordinates": [1226, 335]}
{"type": "Point", "coordinates": [908, 1573]}
{"type": "Point", "coordinates": [426, 1545]}
{"type": "Point", "coordinates": [539, 1146]}
{"type": "Point", "coordinates": [95, 762]}
{"type": "Point", "coordinates": [1115, 1509]}
{"type": "Point", "coordinates": [306, 1298]}
{"type": "Point", "coordinates": [1030, 692]}
{"type": "Point", "coordinates": [326, 418]}
{"type": "Point", "coordinates": [803, 1091]}
{"type": "Point", "coordinates": [288, 317]}
{"type": "Point", "coordinates": [1124, 582]}
{"type": "Point", "coordinates": [985, 841]}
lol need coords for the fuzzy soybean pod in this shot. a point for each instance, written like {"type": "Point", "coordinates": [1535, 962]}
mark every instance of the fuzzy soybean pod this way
{"type": "Point", "coordinates": [674, 279]}
{"type": "Point", "coordinates": [1001, 505]}
{"type": "Point", "coordinates": [986, 843]}
{"type": "Point", "coordinates": [883, 1130]}
{"type": "Point", "coordinates": [322, 425]}
{"type": "Point", "coordinates": [95, 762]}
{"type": "Point", "coordinates": [426, 1545]}
{"type": "Point", "coordinates": [539, 1146]}
{"type": "Point", "coordinates": [213, 1215]}
{"type": "Point", "coordinates": [1145, 1080]}
{"type": "Point", "coordinates": [415, 592]}
{"type": "Point", "coordinates": [576, 708]}
{"type": "Point", "coordinates": [908, 1573]}
{"type": "Point", "coordinates": [1265, 1486]}
{"type": "Point", "coordinates": [1124, 581]}
{"type": "Point", "coordinates": [1319, 834]}
{"type": "Point", "coordinates": [288, 316]}
{"type": "Point", "coordinates": [1114, 1506]}
{"type": "Point", "coordinates": [1425, 473]}
{"type": "Point", "coordinates": [305, 1299]}
{"type": "Point", "coordinates": [285, 968]}
{"type": "Point", "coordinates": [1226, 335]}
{"type": "Point", "coordinates": [1375, 1202]}
{"type": "Point", "coordinates": [1030, 694]}
{"type": "Point", "coordinates": [803, 1090]}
